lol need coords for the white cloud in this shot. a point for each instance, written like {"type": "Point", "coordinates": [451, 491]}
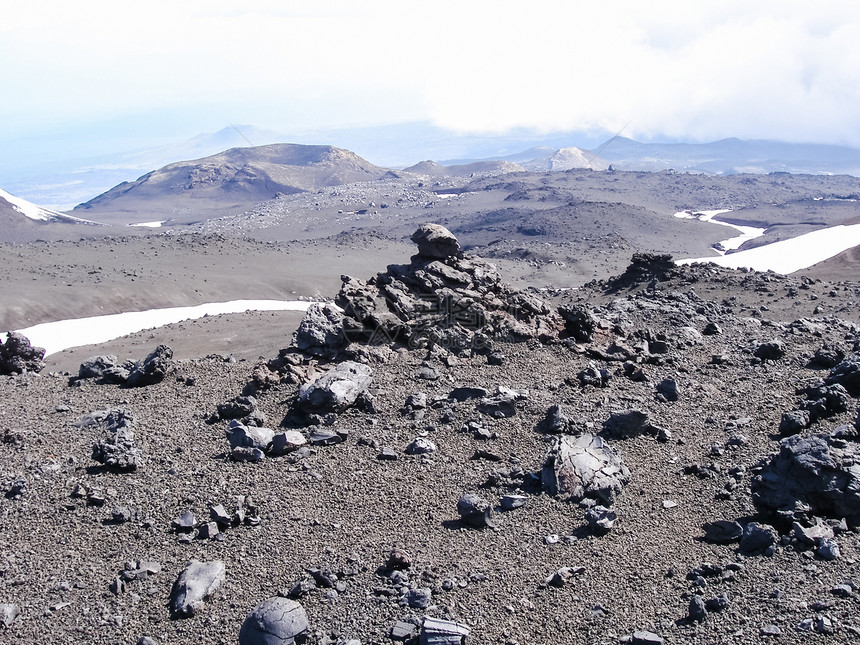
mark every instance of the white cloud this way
{"type": "Point", "coordinates": [785, 70]}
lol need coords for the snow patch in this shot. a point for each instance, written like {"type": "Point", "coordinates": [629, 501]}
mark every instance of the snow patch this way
{"type": "Point", "coordinates": [63, 334]}
{"type": "Point", "coordinates": [150, 224]}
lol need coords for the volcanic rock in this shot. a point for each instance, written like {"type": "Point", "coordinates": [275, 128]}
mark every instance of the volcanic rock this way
{"type": "Point", "coordinates": [18, 356]}
{"type": "Point", "coordinates": [847, 374]}
{"type": "Point", "coordinates": [118, 449]}
{"type": "Point", "coordinates": [475, 511]}
{"type": "Point", "coordinates": [336, 389]}
{"type": "Point", "coordinates": [197, 582]}
{"type": "Point", "coordinates": [584, 466]}
{"type": "Point", "coordinates": [435, 241]}
{"type": "Point", "coordinates": [817, 470]}
{"type": "Point", "coordinates": [151, 369]}
{"type": "Point", "coordinates": [276, 621]}
{"type": "Point", "coordinates": [321, 332]}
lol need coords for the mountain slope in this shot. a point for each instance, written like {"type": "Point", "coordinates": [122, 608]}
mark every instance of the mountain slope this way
{"type": "Point", "coordinates": [22, 220]}
{"type": "Point", "coordinates": [231, 180]}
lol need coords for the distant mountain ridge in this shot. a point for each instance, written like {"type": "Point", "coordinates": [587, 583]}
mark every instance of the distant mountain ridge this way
{"type": "Point", "coordinates": [233, 178]}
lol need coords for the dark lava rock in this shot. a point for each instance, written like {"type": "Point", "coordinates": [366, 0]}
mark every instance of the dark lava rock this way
{"type": "Point", "coordinates": [321, 332]}
{"type": "Point", "coordinates": [435, 631]}
{"type": "Point", "coordinates": [584, 466]}
{"type": "Point", "coordinates": [723, 531]}
{"type": "Point", "coordinates": [276, 621]}
{"type": "Point", "coordinates": [794, 422]}
{"type": "Point", "coordinates": [668, 388]}
{"type": "Point", "coordinates": [251, 436]}
{"type": "Point", "coordinates": [816, 470]}
{"type": "Point", "coordinates": [197, 582]}
{"type": "Point", "coordinates": [594, 376]}
{"type": "Point", "coordinates": [475, 511]}
{"type": "Point", "coordinates": [626, 424]}
{"type": "Point", "coordinates": [847, 374]}
{"type": "Point", "coordinates": [151, 369]}
{"type": "Point", "coordinates": [826, 401]}
{"type": "Point", "coordinates": [436, 241]}
{"type": "Point", "coordinates": [117, 450]}
{"type": "Point", "coordinates": [696, 610]}
{"type": "Point", "coordinates": [237, 407]}
{"type": "Point", "coordinates": [18, 356]}
{"type": "Point", "coordinates": [556, 422]}
{"type": "Point", "coordinates": [578, 322]}
{"type": "Point", "coordinates": [104, 368]}
{"type": "Point", "coordinates": [338, 388]}
{"type": "Point", "coordinates": [827, 356]}
{"type": "Point", "coordinates": [601, 519]}
{"type": "Point", "coordinates": [757, 538]}
{"type": "Point", "coordinates": [771, 350]}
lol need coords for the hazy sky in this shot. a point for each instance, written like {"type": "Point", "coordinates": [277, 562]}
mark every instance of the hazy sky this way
{"type": "Point", "coordinates": [690, 70]}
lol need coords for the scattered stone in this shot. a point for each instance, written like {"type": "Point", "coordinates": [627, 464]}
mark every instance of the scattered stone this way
{"type": "Point", "coordinates": [556, 422]}
{"type": "Point", "coordinates": [770, 630]}
{"type": "Point", "coordinates": [322, 437]}
{"type": "Point", "coordinates": [579, 323]}
{"type": "Point", "coordinates": [420, 446]}
{"type": "Point", "coordinates": [668, 389]}
{"type": "Point", "coordinates": [403, 631]}
{"type": "Point", "coordinates": [105, 368]}
{"type": "Point", "coordinates": [247, 454]}
{"type": "Point", "coordinates": [286, 442]}
{"type": "Point", "coordinates": [419, 598]}
{"type": "Point", "coordinates": [276, 621]}
{"type": "Point", "coordinates": [151, 369]}
{"type": "Point", "coordinates": [827, 356]}
{"type": "Point", "coordinates": [771, 351]}
{"type": "Point", "coordinates": [388, 454]}
{"type": "Point", "coordinates": [794, 422]}
{"type": "Point", "coordinates": [696, 610]}
{"type": "Point", "coordinates": [584, 466]}
{"type": "Point", "coordinates": [435, 631]}
{"type": "Point", "coordinates": [712, 329]}
{"type": "Point", "coordinates": [399, 559]}
{"type": "Point", "coordinates": [510, 502]}
{"type": "Point", "coordinates": [563, 576]}
{"type": "Point", "coordinates": [8, 613]}
{"type": "Point", "coordinates": [462, 394]}
{"type": "Point", "coordinates": [718, 603]}
{"type": "Point", "coordinates": [594, 376]}
{"type": "Point", "coordinates": [475, 511]}
{"type": "Point", "coordinates": [828, 549]}
{"type": "Point", "coordinates": [600, 519]}
{"type": "Point", "coordinates": [238, 407]}
{"type": "Point", "coordinates": [846, 374]}
{"type": "Point", "coordinates": [757, 538]}
{"type": "Point", "coordinates": [240, 435]}
{"type": "Point", "coordinates": [336, 389]}
{"type": "Point", "coordinates": [17, 356]}
{"type": "Point", "coordinates": [626, 424]}
{"type": "Point", "coordinates": [645, 638]}
{"type": "Point", "coordinates": [185, 521]}
{"type": "Point", "coordinates": [723, 531]}
{"type": "Point", "coordinates": [197, 582]}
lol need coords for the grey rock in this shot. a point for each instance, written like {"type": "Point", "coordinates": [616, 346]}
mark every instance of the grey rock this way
{"type": "Point", "coordinates": [96, 366]}
{"type": "Point", "coordinates": [208, 531]}
{"type": "Point", "coordinates": [770, 630]}
{"type": "Point", "coordinates": [847, 374]}
{"type": "Point", "coordinates": [399, 559]}
{"type": "Point", "coordinates": [828, 549]}
{"type": "Point", "coordinates": [151, 369]}
{"type": "Point", "coordinates": [584, 466]}
{"type": "Point", "coordinates": [563, 576]}
{"type": "Point", "coordinates": [219, 515]}
{"type": "Point", "coordinates": [420, 446]}
{"type": "Point", "coordinates": [723, 531]}
{"type": "Point", "coordinates": [436, 241]}
{"type": "Point", "coordinates": [8, 613]}
{"type": "Point", "coordinates": [812, 535]}
{"type": "Point", "coordinates": [286, 442]}
{"type": "Point", "coordinates": [600, 519]}
{"type": "Point", "coordinates": [771, 350]}
{"type": "Point", "coordinates": [240, 435]}
{"type": "Point", "coordinates": [556, 421]}
{"type": "Point", "coordinates": [197, 582]}
{"type": "Point", "coordinates": [276, 621]}
{"type": "Point", "coordinates": [712, 329]}
{"type": "Point", "coordinates": [321, 437]}
{"type": "Point", "coordinates": [625, 424]}
{"type": "Point", "coordinates": [435, 631]}
{"type": "Point", "coordinates": [594, 376]}
{"type": "Point", "coordinates": [147, 640]}
{"type": "Point", "coordinates": [826, 401]}
{"type": "Point", "coordinates": [579, 323]}
{"type": "Point", "coordinates": [793, 422]}
{"type": "Point", "coordinates": [118, 450]}
{"type": "Point", "coordinates": [757, 538]}
{"type": "Point", "coordinates": [465, 393]}
{"type": "Point", "coordinates": [643, 637]}
{"type": "Point", "coordinates": [17, 356]}
{"type": "Point", "coordinates": [668, 388]}
{"type": "Point", "coordinates": [696, 610]}
{"type": "Point", "coordinates": [475, 511]}
{"type": "Point", "coordinates": [816, 470]}
{"type": "Point", "coordinates": [419, 598]}
{"type": "Point", "coordinates": [510, 502]}
{"type": "Point", "coordinates": [185, 521]}
{"type": "Point", "coordinates": [403, 631]}
{"type": "Point", "coordinates": [247, 453]}
{"type": "Point", "coordinates": [718, 603]}
{"type": "Point", "coordinates": [321, 331]}
{"type": "Point", "coordinates": [338, 388]}
{"type": "Point", "coordinates": [237, 408]}
{"type": "Point", "coordinates": [827, 356]}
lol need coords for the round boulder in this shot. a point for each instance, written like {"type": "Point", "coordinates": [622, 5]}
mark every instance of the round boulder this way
{"type": "Point", "coordinates": [276, 621]}
{"type": "Point", "coordinates": [436, 241]}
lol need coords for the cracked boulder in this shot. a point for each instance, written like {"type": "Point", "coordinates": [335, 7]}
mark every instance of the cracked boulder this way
{"type": "Point", "coordinates": [276, 621]}
{"type": "Point", "coordinates": [820, 471]}
{"type": "Point", "coordinates": [338, 388]}
{"type": "Point", "coordinates": [584, 466]}
{"type": "Point", "coordinates": [197, 583]}
{"type": "Point", "coordinates": [18, 356]}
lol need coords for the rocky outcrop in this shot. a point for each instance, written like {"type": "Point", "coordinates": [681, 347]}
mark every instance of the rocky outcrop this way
{"type": "Point", "coordinates": [18, 356]}
{"type": "Point", "coordinates": [443, 298]}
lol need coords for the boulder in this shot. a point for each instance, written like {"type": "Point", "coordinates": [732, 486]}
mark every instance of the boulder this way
{"type": "Point", "coordinates": [18, 356]}
{"type": "Point", "coordinates": [338, 388]}
{"type": "Point", "coordinates": [584, 466]}
{"type": "Point", "coordinates": [818, 470]}
{"type": "Point", "coordinates": [151, 369]}
{"type": "Point", "coordinates": [276, 621]}
{"type": "Point", "coordinates": [771, 351]}
{"type": "Point", "coordinates": [197, 582]}
{"type": "Point", "coordinates": [475, 511]}
{"type": "Point", "coordinates": [846, 374]}
{"type": "Point", "coordinates": [436, 241]}
{"type": "Point", "coordinates": [98, 367]}
{"type": "Point", "coordinates": [249, 436]}
{"type": "Point", "coordinates": [321, 332]}
{"type": "Point", "coordinates": [117, 450]}
{"type": "Point", "coordinates": [625, 424]}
